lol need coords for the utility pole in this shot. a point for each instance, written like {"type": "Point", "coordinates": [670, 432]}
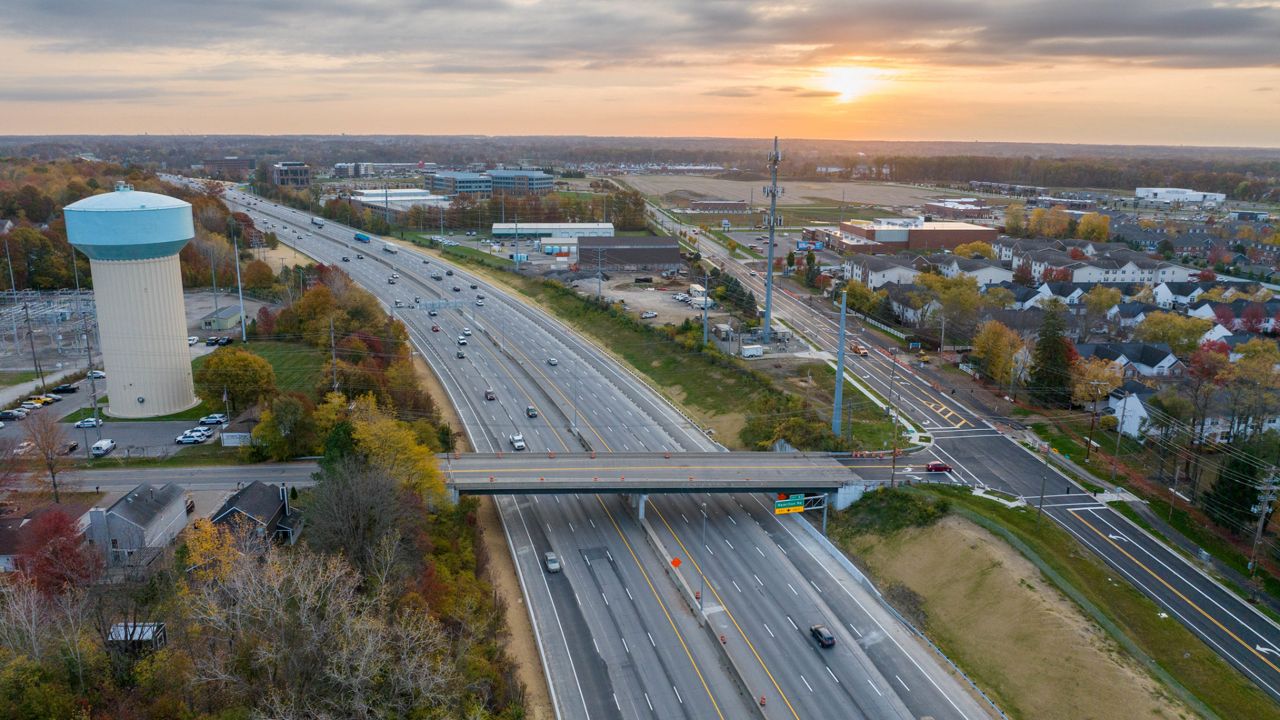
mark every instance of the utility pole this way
{"type": "Point", "coordinates": [244, 333]}
{"type": "Point", "coordinates": [772, 191]}
{"type": "Point", "coordinates": [1263, 508]}
{"type": "Point", "coordinates": [893, 413]}
{"type": "Point", "coordinates": [1088, 448]}
{"type": "Point", "coordinates": [599, 271]}
{"type": "Point", "coordinates": [213, 280]}
{"type": "Point", "coordinates": [1044, 479]}
{"type": "Point", "coordinates": [516, 254]}
{"type": "Point", "coordinates": [88, 354]}
{"type": "Point", "coordinates": [702, 574]}
{"type": "Point", "coordinates": [26, 309]}
{"type": "Point", "coordinates": [13, 288]}
{"type": "Point", "coordinates": [706, 279]}
{"type": "Point", "coordinates": [837, 405]}
{"type": "Point", "coordinates": [1115, 461]}
{"type": "Point", "coordinates": [942, 342]}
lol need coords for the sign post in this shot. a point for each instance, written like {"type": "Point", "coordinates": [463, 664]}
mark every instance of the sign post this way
{"type": "Point", "coordinates": [792, 504]}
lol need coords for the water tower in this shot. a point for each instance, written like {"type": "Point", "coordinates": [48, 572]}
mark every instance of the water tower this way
{"type": "Point", "coordinates": [132, 240]}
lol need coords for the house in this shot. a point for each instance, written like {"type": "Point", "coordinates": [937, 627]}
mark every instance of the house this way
{"type": "Point", "coordinates": [1177, 294]}
{"type": "Point", "coordinates": [1128, 404]}
{"type": "Point", "coordinates": [16, 518]}
{"type": "Point", "coordinates": [1215, 333]}
{"type": "Point", "coordinates": [984, 271]}
{"type": "Point", "coordinates": [1068, 293]}
{"type": "Point", "coordinates": [1023, 296]}
{"type": "Point", "coordinates": [139, 525]}
{"type": "Point", "coordinates": [904, 300]}
{"type": "Point", "coordinates": [264, 507]}
{"type": "Point", "coordinates": [876, 270]}
{"type": "Point", "coordinates": [1130, 314]}
{"type": "Point", "coordinates": [1136, 359]}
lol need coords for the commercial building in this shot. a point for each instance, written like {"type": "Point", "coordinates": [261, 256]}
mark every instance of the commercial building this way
{"type": "Point", "coordinates": [379, 169]}
{"type": "Point", "coordinates": [894, 235]}
{"type": "Point", "coordinates": [225, 318]}
{"type": "Point", "coordinates": [451, 182]}
{"type": "Point", "coordinates": [132, 240]}
{"type": "Point", "coordinates": [291, 174]}
{"type": "Point", "coordinates": [1169, 196]}
{"type": "Point", "coordinates": [394, 201]}
{"type": "Point", "coordinates": [520, 182]}
{"type": "Point", "coordinates": [732, 207]}
{"type": "Point", "coordinates": [630, 253]}
{"type": "Point", "coordinates": [230, 167]}
{"type": "Point", "coordinates": [958, 208]}
{"type": "Point", "coordinates": [506, 231]}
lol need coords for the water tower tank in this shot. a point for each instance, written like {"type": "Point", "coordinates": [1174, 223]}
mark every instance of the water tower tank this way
{"type": "Point", "coordinates": [132, 240]}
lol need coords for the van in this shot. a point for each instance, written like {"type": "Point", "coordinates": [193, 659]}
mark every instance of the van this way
{"type": "Point", "coordinates": [102, 447]}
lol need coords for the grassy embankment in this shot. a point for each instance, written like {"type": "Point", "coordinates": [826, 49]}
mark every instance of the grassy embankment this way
{"type": "Point", "coordinates": [1008, 628]}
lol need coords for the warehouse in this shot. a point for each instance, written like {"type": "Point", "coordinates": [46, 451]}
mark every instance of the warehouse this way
{"type": "Point", "coordinates": [508, 231]}
{"type": "Point", "coordinates": [630, 253]}
{"type": "Point", "coordinates": [1168, 196]}
{"type": "Point", "coordinates": [893, 235]}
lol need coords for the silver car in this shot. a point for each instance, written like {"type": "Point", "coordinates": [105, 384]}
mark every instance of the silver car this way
{"type": "Point", "coordinates": [552, 562]}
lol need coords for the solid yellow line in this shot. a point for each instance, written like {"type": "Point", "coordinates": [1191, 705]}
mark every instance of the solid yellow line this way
{"type": "Point", "coordinates": [727, 612]}
{"type": "Point", "coordinates": [1185, 599]}
{"type": "Point", "coordinates": [528, 397]}
{"type": "Point", "coordinates": [663, 606]}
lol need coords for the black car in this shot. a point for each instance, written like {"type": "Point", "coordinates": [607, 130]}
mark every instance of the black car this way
{"type": "Point", "coordinates": [225, 340]}
{"type": "Point", "coordinates": [822, 635]}
{"type": "Point", "coordinates": [211, 341]}
{"type": "Point", "coordinates": [473, 286]}
{"type": "Point", "coordinates": [9, 415]}
{"type": "Point", "coordinates": [457, 289]}
{"type": "Point", "coordinates": [448, 272]}
{"type": "Point", "coordinates": [63, 389]}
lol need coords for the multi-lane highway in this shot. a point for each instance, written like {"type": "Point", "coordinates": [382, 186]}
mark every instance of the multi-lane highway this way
{"type": "Point", "coordinates": [615, 637]}
{"type": "Point", "coordinates": [984, 456]}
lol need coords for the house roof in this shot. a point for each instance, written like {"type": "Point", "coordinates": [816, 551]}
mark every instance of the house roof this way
{"type": "Point", "coordinates": [1134, 309]}
{"type": "Point", "coordinates": [258, 500]}
{"type": "Point", "coordinates": [1133, 387]}
{"type": "Point", "coordinates": [143, 504]}
{"type": "Point", "coordinates": [1149, 354]}
{"type": "Point", "coordinates": [13, 526]}
{"type": "Point", "coordinates": [880, 263]}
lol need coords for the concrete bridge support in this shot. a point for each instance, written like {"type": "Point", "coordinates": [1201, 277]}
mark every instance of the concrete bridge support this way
{"type": "Point", "coordinates": [846, 495]}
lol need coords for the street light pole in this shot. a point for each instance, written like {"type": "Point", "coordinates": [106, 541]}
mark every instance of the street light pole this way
{"type": "Point", "coordinates": [1044, 479]}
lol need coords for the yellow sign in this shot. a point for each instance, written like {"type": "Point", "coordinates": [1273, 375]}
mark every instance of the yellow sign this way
{"type": "Point", "coordinates": [786, 510]}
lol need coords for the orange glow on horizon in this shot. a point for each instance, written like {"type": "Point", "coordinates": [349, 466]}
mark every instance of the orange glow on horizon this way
{"type": "Point", "coordinates": [852, 82]}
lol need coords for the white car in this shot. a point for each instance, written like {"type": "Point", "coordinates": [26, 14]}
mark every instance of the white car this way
{"type": "Point", "coordinates": [552, 361]}
{"type": "Point", "coordinates": [466, 331]}
{"type": "Point", "coordinates": [98, 375]}
{"type": "Point", "coordinates": [647, 314]}
{"type": "Point", "coordinates": [192, 340]}
{"type": "Point", "coordinates": [214, 419]}
{"type": "Point", "coordinates": [517, 441]}
{"type": "Point", "coordinates": [189, 439]}
{"type": "Point", "coordinates": [89, 423]}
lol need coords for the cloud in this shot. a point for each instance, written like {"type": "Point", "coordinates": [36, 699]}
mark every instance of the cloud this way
{"type": "Point", "coordinates": [463, 69]}
{"type": "Point", "coordinates": [87, 93]}
{"type": "Point", "coordinates": [733, 92]}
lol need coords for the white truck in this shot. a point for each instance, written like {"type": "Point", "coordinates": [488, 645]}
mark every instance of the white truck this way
{"type": "Point", "coordinates": [750, 351]}
{"type": "Point", "coordinates": [317, 222]}
{"type": "Point", "coordinates": [702, 302]}
{"type": "Point", "coordinates": [390, 248]}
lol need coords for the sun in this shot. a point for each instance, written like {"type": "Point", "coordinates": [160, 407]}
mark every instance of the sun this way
{"type": "Point", "coordinates": [851, 82]}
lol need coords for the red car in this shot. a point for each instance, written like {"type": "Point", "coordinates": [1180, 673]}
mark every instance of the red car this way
{"type": "Point", "coordinates": [937, 466]}
{"type": "Point", "coordinates": [435, 328]}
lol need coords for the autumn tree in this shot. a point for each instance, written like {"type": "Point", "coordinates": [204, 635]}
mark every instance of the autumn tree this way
{"type": "Point", "coordinates": [1015, 219]}
{"type": "Point", "coordinates": [862, 298]}
{"type": "Point", "coordinates": [1052, 359]}
{"type": "Point", "coordinates": [976, 249]}
{"type": "Point", "coordinates": [1098, 302]}
{"type": "Point", "coordinates": [237, 375]}
{"type": "Point", "coordinates": [257, 275]}
{"type": "Point", "coordinates": [53, 555]}
{"type": "Point", "coordinates": [49, 449]}
{"type": "Point", "coordinates": [1095, 227]}
{"type": "Point", "coordinates": [392, 447]}
{"type": "Point", "coordinates": [356, 510]}
{"type": "Point", "coordinates": [1181, 333]}
{"type": "Point", "coordinates": [1092, 380]}
{"type": "Point", "coordinates": [996, 347]}
{"type": "Point", "coordinates": [286, 429]}
{"type": "Point", "coordinates": [1023, 276]}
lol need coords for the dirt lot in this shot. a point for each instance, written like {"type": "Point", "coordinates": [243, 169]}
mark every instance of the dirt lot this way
{"type": "Point", "coordinates": [282, 253]}
{"type": "Point", "coordinates": [798, 192]}
{"type": "Point", "coordinates": [1010, 629]}
{"type": "Point", "coordinates": [645, 297]}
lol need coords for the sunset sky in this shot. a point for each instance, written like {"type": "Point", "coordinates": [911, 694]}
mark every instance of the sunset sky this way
{"type": "Point", "coordinates": [1097, 71]}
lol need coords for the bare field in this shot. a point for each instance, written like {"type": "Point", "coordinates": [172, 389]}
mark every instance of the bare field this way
{"type": "Point", "coordinates": [797, 192]}
{"type": "Point", "coordinates": [1015, 633]}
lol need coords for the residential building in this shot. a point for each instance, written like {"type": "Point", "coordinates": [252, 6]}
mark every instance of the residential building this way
{"type": "Point", "coordinates": [904, 300]}
{"type": "Point", "coordinates": [876, 270]}
{"type": "Point", "coordinates": [984, 271]}
{"type": "Point", "coordinates": [1149, 360]}
{"type": "Point", "coordinates": [21, 513]}
{"type": "Point", "coordinates": [1129, 315]}
{"type": "Point", "coordinates": [139, 525]}
{"type": "Point", "coordinates": [291, 174]}
{"type": "Point", "coordinates": [1178, 294]}
{"type": "Point", "coordinates": [261, 507]}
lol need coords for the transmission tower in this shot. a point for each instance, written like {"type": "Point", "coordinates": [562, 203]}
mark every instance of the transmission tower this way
{"type": "Point", "coordinates": [772, 191]}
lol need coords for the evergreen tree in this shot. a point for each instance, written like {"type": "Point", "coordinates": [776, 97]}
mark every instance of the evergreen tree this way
{"type": "Point", "coordinates": [1231, 501]}
{"type": "Point", "coordinates": [1051, 363]}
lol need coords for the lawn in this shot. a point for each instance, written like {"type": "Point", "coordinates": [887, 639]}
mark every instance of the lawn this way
{"type": "Point", "coordinates": [16, 377]}
{"type": "Point", "coordinates": [1169, 650]}
{"type": "Point", "coordinates": [863, 421]}
{"type": "Point", "coordinates": [189, 456]}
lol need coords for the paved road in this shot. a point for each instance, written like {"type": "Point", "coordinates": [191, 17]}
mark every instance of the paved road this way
{"type": "Point", "coordinates": [593, 644]}
{"type": "Point", "coordinates": [983, 455]}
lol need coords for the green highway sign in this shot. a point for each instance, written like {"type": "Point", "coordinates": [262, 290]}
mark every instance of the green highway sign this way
{"type": "Point", "coordinates": [794, 504]}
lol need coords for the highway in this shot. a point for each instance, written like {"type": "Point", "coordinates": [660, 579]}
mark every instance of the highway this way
{"type": "Point", "coordinates": [616, 640]}
{"type": "Point", "coordinates": [984, 456]}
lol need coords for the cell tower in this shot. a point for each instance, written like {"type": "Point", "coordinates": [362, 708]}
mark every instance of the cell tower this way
{"type": "Point", "coordinates": [132, 239]}
{"type": "Point", "coordinates": [772, 191]}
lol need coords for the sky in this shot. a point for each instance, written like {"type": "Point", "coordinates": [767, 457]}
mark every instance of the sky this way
{"type": "Point", "coordinates": [1170, 72]}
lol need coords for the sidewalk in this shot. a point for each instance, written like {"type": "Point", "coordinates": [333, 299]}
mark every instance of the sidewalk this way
{"type": "Point", "coordinates": [13, 393]}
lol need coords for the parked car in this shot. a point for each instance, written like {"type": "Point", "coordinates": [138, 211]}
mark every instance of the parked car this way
{"type": "Point", "coordinates": [102, 447]}
{"type": "Point", "coordinates": [551, 562]}
{"type": "Point", "coordinates": [214, 419]}
{"type": "Point", "coordinates": [98, 375]}
{"type": "Point", "coordinates": [822, 635]}
{"type": "Point", "coordinates": [648, 314]}
{"type": "Point", "coordinates": [69, 447]}
{"type": "Point", "coordinates": [89, 423]}
{"type": "Point", "coordinates": [937, 466]}
{"type": "Point", "coordinates": [11, 415]}
{"type": "Point", "coordinates": [211, 341]}
{"type": "Point", "coordinates": [192, 340]}
{"type": "Point", "coordinates": [189, 439]}
{"type": "Point", "coordinates": [29, 406]}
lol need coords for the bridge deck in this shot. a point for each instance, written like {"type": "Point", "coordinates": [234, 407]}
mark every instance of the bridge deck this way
{"type": "Point", "coordinates": [531, 473]}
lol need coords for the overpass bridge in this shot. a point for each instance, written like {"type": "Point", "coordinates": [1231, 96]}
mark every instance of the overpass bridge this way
{"type": "Point", "coordinates": [520, 473]}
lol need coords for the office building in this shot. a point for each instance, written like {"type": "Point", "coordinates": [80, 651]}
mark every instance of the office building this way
{"type": "Point", "coordinates": [520, 182]}
{"type": "Point", "coordinates": [452, 182]}
{"type": "Point", "coordinates": [291, 174]}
